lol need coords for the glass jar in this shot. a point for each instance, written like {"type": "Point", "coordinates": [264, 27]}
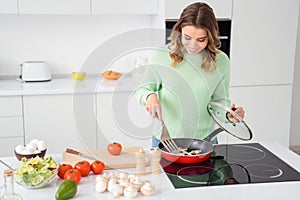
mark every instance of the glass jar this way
{"type": "Point", "coordinates": [9, 187]}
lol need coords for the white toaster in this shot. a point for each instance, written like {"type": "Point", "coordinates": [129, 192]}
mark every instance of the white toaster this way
{"type": "Point", "coordinates": [35, 71]}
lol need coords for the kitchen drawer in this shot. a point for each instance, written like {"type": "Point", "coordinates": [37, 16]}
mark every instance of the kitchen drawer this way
{"type": "Point", "coordinates": [8, 145]}
{"type": "Point", "coordinates": [11, 106]}
{"type": "Point", "coordinates": [11, 126]}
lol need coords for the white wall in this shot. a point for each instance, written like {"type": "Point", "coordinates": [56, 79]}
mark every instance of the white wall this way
{"type": "Point", "coordinates": [63, 41]}
{"type": "Point", "coordinates": [295, 116]}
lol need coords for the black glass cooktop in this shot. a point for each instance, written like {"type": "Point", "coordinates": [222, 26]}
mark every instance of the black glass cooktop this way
{"type": "Point", "coordinates": [231, 164]}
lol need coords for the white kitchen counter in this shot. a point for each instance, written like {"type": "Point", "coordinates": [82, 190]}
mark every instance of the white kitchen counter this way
{"type": "Point", "coordinates": [67, 85]}
{"type": "Point", "coordinates": [274, 191]}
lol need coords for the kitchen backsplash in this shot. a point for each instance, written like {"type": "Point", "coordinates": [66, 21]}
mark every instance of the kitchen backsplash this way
{"type": "Point", "coordinates": [64, 42]}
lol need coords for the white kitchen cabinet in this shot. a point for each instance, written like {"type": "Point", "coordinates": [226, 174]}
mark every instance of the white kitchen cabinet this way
{"type": "Point", "coordinates": [120, 118]}
{"type": "Point", "coordinates": [11, 106]}
{"type": "Point", "coordinates": [59, 7]}
{"type": "Point", "coordinates": [8, 144]}
{"type": "Point", "coordinates": [267, 112]}
{"type": "Point", "coordinates": [61, 120]}
{"type": "Point", "coordinates": [117, 7]}
{"type": "Point", "coordinates": [222, 9]}
{"type": "Point", "coordinates": [263, 41]}
{"type": "Point", "coordinates": [8, 6]}
{"type": "Point", "coordinates": [11, 123]}
{"type": "Point", "coordinates": [11, 126]}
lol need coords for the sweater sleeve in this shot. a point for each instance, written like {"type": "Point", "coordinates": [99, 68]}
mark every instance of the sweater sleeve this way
{"type": "Point", "coordinates": [221, 93]}
{"type": "Point", "coordinates": [151, 80]}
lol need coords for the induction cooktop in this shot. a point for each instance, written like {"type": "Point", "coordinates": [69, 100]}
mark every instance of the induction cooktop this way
{"type": "Point", "coordinates": [231, 164]}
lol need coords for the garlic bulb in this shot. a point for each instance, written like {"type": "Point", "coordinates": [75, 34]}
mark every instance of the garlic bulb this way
{"type": "Point", "coordinates": [130, 192]}
{"type": "Point", "coordinates": [147, 189]}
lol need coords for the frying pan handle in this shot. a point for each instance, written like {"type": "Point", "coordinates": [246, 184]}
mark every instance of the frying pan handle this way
{"type": "Point", "coordinates": [213, 134]}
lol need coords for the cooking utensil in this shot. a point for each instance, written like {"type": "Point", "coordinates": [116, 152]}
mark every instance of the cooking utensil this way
{"type": "Point", "coordinates": [218, 112]}
{"type": "Point", "coordinates": [190, 144]}
{"type": "Point", "coordinates": [167, 141]}
{"type": "Point", "coordinates": [72, 151]}
{"type": "Point", "coordinates": [238, 129]}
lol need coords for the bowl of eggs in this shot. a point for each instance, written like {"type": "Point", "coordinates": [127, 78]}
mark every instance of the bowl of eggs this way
{"type": "Point", "coordinates": [34, 148]}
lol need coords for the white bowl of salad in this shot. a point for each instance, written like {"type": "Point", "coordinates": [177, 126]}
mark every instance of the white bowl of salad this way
{"type": "Point", "coordinates": [36, 172]}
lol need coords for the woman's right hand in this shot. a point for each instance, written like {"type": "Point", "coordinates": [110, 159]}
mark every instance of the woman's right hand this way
{"type": "Point", "coordinates": [153, 106]}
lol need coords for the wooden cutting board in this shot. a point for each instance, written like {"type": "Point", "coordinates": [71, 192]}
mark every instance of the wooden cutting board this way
{"type": "Point", "coordinates": [124, 160]}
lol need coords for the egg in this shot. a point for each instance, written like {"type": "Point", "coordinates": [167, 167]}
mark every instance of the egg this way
{"type": "Point", "coordinates": [41, 145]}
{"type": "Point", "coordinates": [26, 152]}
{"type": "Point", "coordinates": [36, 151]}
{"type": "Point", "coordinates": [31, 146]}
{"type": "Point", "coordinates": [19, 148]}
{"type": "Point", "coordinates": [34, 141]}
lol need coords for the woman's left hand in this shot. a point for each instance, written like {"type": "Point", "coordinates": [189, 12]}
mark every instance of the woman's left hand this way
{"type": "Point", "coordinates": [238, 110]}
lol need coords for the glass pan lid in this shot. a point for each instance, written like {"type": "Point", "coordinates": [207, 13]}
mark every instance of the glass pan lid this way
{"type": "Point", "coordinates": [238, 128]}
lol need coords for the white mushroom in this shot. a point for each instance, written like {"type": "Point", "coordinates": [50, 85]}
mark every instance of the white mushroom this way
{"type": "Point", "coordinates": [131, 177]}
{"type": "Point", "coordinates": [117, 190]}
{"type": "Point", "coordinates": [105, 175]}
{"type": "Point", "coordinates": [123, 182]}
{"type": "Point", "coordinates": [130, 192]}
{"type": "Point", "coordinates": [101, 178]}
{"type": "Point", "coordinates": [147, 189]}
{"type": "Point", "coordinates": [137, 183]}
{"type": "Point", "coordinates": [123, 175]}
{"type": "Point", "coordinates": [111, 183]}
{"type": "Point", "coordinates": [101, 186]}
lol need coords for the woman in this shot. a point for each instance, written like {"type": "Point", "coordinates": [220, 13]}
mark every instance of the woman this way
{"type": "Point", "coordinates": [182, 78]}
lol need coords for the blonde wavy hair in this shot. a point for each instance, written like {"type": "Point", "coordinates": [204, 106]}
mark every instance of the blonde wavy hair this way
{"type": "Point", "coordinates": [201, 16]}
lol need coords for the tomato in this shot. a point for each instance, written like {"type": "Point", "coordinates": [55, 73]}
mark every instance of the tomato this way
{"type": "Point", "coordinates": [114, 148]}
{"type": "Point", "coordinates": [97, 167]}
{"type": "Point", "coordinates": [83, 167]}
{"type": "Point", "coordinates": [62, 169]}
{"type": "Point", "coordinates": [73, 174]}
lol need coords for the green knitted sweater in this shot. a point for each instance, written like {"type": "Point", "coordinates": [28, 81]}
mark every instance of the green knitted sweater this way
{"type": "Point", "coordinates": [184, 92]}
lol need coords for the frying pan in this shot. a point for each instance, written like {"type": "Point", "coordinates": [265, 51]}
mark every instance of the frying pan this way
{"type": "Point", "coordinates": [190, 144]}
{"type": "Point", "coordinates": [218, 112]}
